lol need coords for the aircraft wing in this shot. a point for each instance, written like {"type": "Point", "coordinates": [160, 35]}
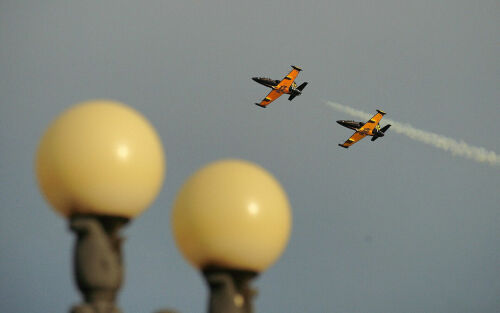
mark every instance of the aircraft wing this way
{"type": "Point", "coordinates": [273, 95]}
{"type": "Point", "coordinates": [357, 136]}
{"type": "Point", "coordinates": [288, 80]}
{"type": "Point", "coordinates": [373, 122]}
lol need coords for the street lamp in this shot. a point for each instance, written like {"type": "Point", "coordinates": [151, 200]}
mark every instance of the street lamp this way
{"type": "Point", "coordinates": [99, 164]}
{"type": "Point", "coordinates": [231, 220]}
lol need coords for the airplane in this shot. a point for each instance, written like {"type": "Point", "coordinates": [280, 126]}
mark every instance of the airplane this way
{"type": "Point", "coordinates": [286, 85]}
{"type": "Point", "coordinates": [370, 128]}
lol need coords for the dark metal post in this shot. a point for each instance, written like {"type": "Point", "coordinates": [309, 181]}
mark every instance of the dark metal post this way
{"type": "Point", "coordinates": [230, 290]}
{"type": "Point", "coordinates": [98, 264]}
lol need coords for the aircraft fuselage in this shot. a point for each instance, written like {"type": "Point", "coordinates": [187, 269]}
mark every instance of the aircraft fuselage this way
{"type": "Point", "coordinates": [272, 83]}
{"type": "Point", "coordinates": [268, 82]}
{"type": "Point", "coordinates": [357, 126]}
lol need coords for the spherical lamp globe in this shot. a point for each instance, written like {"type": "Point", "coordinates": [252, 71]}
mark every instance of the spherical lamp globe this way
{"type": "Point", "coordinates": [100, 157]}
{"type": "Point", "coordinates": [231, 214]}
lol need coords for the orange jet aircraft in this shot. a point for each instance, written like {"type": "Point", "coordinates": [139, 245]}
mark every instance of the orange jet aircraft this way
{"type": "Point", "coordinates": [286, 85]}
{"type": "Point", "coordinates": [370, 128]}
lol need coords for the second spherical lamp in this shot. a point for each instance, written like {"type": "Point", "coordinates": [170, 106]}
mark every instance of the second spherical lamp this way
{"type": "Point", "coordinates": [231, 214]}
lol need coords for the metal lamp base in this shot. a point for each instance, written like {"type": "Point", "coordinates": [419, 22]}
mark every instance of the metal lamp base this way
{"type": "Point", "coordinates": [230, 290]}
{"type": "Point", "coordinates": [98, 263]}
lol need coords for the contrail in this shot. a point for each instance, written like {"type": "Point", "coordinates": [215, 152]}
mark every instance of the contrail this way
{"type": "Point", "coordinates": [459, 148]}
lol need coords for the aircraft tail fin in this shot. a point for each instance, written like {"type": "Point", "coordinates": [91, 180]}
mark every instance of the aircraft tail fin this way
{"type": "Point", "coordinates": [301, 87]}
{"type": "Point", "coordinates": [382, 130]}
{"type": "Point", "coordinates": [298, 91]}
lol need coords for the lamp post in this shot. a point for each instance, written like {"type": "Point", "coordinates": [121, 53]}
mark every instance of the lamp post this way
{"type": "Point", "coordinates": [99, 164]}
{"type": "Point", "coordinates": [231, 220]}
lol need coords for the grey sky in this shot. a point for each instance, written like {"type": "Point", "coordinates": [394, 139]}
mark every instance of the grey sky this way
{"type": "Point", "coordinates": [390, 226]}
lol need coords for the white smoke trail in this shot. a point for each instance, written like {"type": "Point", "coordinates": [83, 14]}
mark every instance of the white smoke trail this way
{"type": "Point", "coordinates": [459, 148]}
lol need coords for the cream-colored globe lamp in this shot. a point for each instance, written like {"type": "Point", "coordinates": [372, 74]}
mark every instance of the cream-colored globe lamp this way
{"type": "Point", "coordinates": [231, 214]}
{"type": "Point", "coordinates": [100, 157]}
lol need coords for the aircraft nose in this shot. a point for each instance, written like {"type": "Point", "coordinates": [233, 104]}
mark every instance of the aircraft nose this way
{"type": "Point", "coordinates": [255, 79]}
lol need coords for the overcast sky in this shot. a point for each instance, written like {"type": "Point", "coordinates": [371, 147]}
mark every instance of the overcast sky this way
{"type": "Point", "coordinates": [390, 226]}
